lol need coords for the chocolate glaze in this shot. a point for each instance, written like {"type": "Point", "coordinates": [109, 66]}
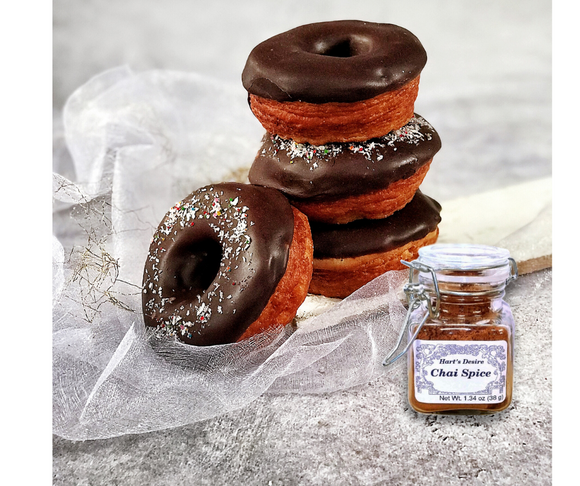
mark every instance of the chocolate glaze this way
{"type": "Point", "coordinates": [335, 170]}
{"type": "Point", "coordinates": [364, 236]}
{"type": "Point", "coordinates": [344, 61]}
{"type": "Point", "coordinates": [214, 262]}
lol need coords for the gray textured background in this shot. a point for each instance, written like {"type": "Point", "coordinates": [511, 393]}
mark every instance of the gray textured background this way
{"type": "Point", "coordinates": [487, 90]}
{"type": "Point", "coordinates": [486, 86]}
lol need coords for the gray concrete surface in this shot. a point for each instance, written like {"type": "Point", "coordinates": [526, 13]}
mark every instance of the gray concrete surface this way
{"type": "Point", "coordinates": [363, 436]}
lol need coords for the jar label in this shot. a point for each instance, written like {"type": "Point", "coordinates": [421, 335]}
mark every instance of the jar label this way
{"type": "Point", "coordinates": [460, 371]}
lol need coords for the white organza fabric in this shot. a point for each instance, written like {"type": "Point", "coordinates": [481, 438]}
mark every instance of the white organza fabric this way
{"type": "Point", "coordinates": [131, 145]}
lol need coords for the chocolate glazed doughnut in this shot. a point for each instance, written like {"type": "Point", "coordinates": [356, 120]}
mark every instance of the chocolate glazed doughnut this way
{"type": "Point", "coordinates": [341, 182]}
{"type": "Point", "coordinates": [228, 261]}
{"type": "Point", "coordinates": [347, 256]}
{"type": "Point", "coordinates": [335, 81]}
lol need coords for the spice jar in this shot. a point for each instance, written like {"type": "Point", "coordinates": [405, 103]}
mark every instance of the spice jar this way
{"type": "Point", "coordinates": [460, 330]}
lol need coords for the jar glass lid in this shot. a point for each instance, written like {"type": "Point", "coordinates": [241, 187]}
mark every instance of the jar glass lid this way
{"type": "Point", "coordinates": [451, 256]}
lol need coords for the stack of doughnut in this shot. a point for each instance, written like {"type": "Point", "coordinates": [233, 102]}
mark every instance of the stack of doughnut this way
{"type": "Point", "coordinates": [344, 144]}
{"type": "Point", "coordinates": [333, 199]}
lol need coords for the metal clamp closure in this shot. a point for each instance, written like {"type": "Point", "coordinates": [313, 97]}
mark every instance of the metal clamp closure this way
{"type": "Point", "coordinates": [513, 270]}
{"type": "Point", "coordinates": [417, 295]}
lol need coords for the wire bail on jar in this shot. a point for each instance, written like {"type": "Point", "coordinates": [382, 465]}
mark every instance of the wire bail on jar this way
{"type": "Point", "coordinates": [417, 295]}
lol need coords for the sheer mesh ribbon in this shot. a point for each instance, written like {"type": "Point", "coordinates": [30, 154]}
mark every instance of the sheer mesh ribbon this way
{"type": "Point", "coordinates": [131, 146]}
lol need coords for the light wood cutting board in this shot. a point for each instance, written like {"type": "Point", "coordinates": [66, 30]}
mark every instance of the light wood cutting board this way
{"type": "Point", "coordinates": [518, 218]}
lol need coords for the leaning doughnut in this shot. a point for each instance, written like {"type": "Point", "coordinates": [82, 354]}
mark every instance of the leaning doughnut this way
{"type": "Point", "coordinates": [341, 182]}
{"type": "Point", "coordinates": [348, 256]}
{"type": "Point", "coordinates": [228, 261]}
{"type": "Point", "coordinates": [338, 81]}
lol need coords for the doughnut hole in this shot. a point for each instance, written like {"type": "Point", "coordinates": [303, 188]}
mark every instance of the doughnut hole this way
{"type": "Point", "coordinates": [191, 267]}
{"type": "Point", "coordinates": [351, 46]}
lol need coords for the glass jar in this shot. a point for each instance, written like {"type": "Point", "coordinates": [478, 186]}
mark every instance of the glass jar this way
{"type": "Point", "coordinates": [460, 330]}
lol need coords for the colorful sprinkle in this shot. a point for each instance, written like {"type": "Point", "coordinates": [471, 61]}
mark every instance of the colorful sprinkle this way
{"type": "Point", "coordinates": [411, 133]}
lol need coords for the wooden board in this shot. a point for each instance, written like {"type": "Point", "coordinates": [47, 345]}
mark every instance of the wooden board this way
{"type": "Point", "coordinates": [518, 218]}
